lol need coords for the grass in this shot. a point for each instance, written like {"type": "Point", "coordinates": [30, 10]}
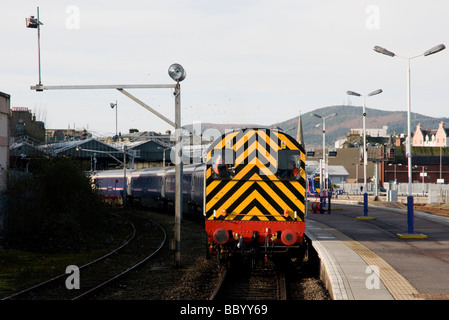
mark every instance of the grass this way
{"type": "Point", "coordinates": [21, 269]}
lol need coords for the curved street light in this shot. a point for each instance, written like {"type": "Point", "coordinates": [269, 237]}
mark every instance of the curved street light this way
{"type": "Point", "coordinates": [322, 183]}
{"type": "Point", "coordinates": [365, 160]}
{"type": "Point", "coordinates": [429, 52]}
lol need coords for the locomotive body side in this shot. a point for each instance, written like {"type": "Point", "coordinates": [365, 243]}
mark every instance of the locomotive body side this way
{"type": "Point", "coordinates": [255, 193]}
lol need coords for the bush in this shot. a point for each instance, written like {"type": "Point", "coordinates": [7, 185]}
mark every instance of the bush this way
{"type": "Point", "coordinates": [54, 208]}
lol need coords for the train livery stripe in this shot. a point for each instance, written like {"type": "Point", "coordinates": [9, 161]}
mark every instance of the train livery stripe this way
{"type": "Point", "coordinates": [255, 193]}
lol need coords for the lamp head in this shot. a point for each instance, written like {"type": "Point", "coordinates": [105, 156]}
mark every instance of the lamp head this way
{"type": "Point", "coordinates": [352, 93]}
{"type": "Point", "coordinates": [383, 51]}
{"type": "Point", "coordinates": [435, 49]}
{"type": "Point", "coordinates": [375, 92]}
{"type": "Point", "coordinates": [176, 72]}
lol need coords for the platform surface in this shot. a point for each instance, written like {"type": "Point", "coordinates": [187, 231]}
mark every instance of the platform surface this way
{"type": "Point", "coordinates": [366, 260]}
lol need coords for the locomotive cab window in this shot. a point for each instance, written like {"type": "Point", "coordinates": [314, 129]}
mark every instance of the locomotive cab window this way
{"type": "Point", "coordinates": [222, 164]}
{"type": "Point", "coordinates": [289, 165]}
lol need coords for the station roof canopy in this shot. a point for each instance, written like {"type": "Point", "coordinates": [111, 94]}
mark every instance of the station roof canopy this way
{"type": "Point", "coordinates": [81, 148]}
{"type": "Point", "coordinates": [24, 149]}
{"type": "Point", "coordinates": [149, 150]}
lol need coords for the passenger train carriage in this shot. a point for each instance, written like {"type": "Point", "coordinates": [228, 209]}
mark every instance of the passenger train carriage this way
{"type": "Point", "coordinates": [255, 193]}
{"type": "Point", "coordinates": [109, 184]}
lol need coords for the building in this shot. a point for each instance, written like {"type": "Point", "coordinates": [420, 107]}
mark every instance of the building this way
{"type": "Point", "coordinates": [430, 138]}
{"type": "Point", "coordinates": [348, 158]}
{"type": "Point", "coordinates": [336, 173]}
{"type": "Point", "coordinates": [60, 135]}
{"type": "Point", "coordinates": [4, 138]}
{"type": "Point", "coordinates": [376, 132]}
{"type": "Point", "coordinates": [432, 163]}
{"type": "Point", "coordinates": [148, 153]}
{"type": "Point", "coordinates": [4, 158]}
{"type": "Point", "coordinates": [23, 123]}
{"type": "Point", "coordinates": [95, 154]}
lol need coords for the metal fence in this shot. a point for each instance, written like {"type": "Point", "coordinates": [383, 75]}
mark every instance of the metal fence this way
{"type": "Point", "coordinates": [437, 193]}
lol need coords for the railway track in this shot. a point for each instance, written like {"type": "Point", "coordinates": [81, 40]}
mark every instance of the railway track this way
{"type": "Point", "coordinates": [145, 240]}
{"type": "Point", "coordinates": [282, 279]}
{"type": "Point", "coordinates": [241, 282]}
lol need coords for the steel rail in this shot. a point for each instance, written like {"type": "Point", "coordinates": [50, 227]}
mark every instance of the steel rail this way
{"type": "Point", "coordinates": [219, 284]}
{"type": "Point", "coordinates": [130, 268]}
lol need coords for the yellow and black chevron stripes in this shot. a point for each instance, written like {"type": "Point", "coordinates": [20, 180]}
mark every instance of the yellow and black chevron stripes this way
{"type": "Point", "coordinates": [256, 200]}
{"type": "Point", "coordinates": [255, 192]}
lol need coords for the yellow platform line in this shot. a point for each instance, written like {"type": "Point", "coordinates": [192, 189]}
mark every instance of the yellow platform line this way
{"type": "Point", "coordinates": [399, 287]}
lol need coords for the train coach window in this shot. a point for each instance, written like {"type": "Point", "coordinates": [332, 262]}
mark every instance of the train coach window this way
{"type": "Point", "coordinates": [289, 164]}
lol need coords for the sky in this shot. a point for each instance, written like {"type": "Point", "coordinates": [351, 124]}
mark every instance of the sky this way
{"type": "Point", "coordinates": [246, 61]}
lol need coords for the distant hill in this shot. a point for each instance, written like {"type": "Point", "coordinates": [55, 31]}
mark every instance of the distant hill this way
{"type": "Point", "coordinates": [348, 117]}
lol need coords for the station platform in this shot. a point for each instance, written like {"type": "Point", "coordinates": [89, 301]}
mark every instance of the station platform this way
{"type": "Point", "coordinates": [366, 260]}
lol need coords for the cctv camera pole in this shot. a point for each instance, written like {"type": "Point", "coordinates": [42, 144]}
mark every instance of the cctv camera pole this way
{"type": "Point", "coordinates": [33, 23]}
{"type": "Point", "coordinates": [39, 44]}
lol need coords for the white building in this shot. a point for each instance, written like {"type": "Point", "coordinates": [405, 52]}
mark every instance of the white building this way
{"type": "Point", "coordinates": [376, 132]}
{"type": "Point", "coordinates": [337, 173]}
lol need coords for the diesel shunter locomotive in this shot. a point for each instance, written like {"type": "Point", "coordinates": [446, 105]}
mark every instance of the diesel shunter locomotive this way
{"type": "Point", "coordinates": [255, 194]}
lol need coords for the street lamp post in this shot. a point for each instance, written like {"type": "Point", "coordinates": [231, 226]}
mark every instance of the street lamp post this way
{"type": "Point", "coordinates": [178, 74]}
{"type": "Point", "coordinates": [365, 159]}
{"type": "Point", "coordinates": [322, 183]}
{"type": "Point", "coordinates": [384, 51]}
{"type": "Point", "coordinates": [112, 104]}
